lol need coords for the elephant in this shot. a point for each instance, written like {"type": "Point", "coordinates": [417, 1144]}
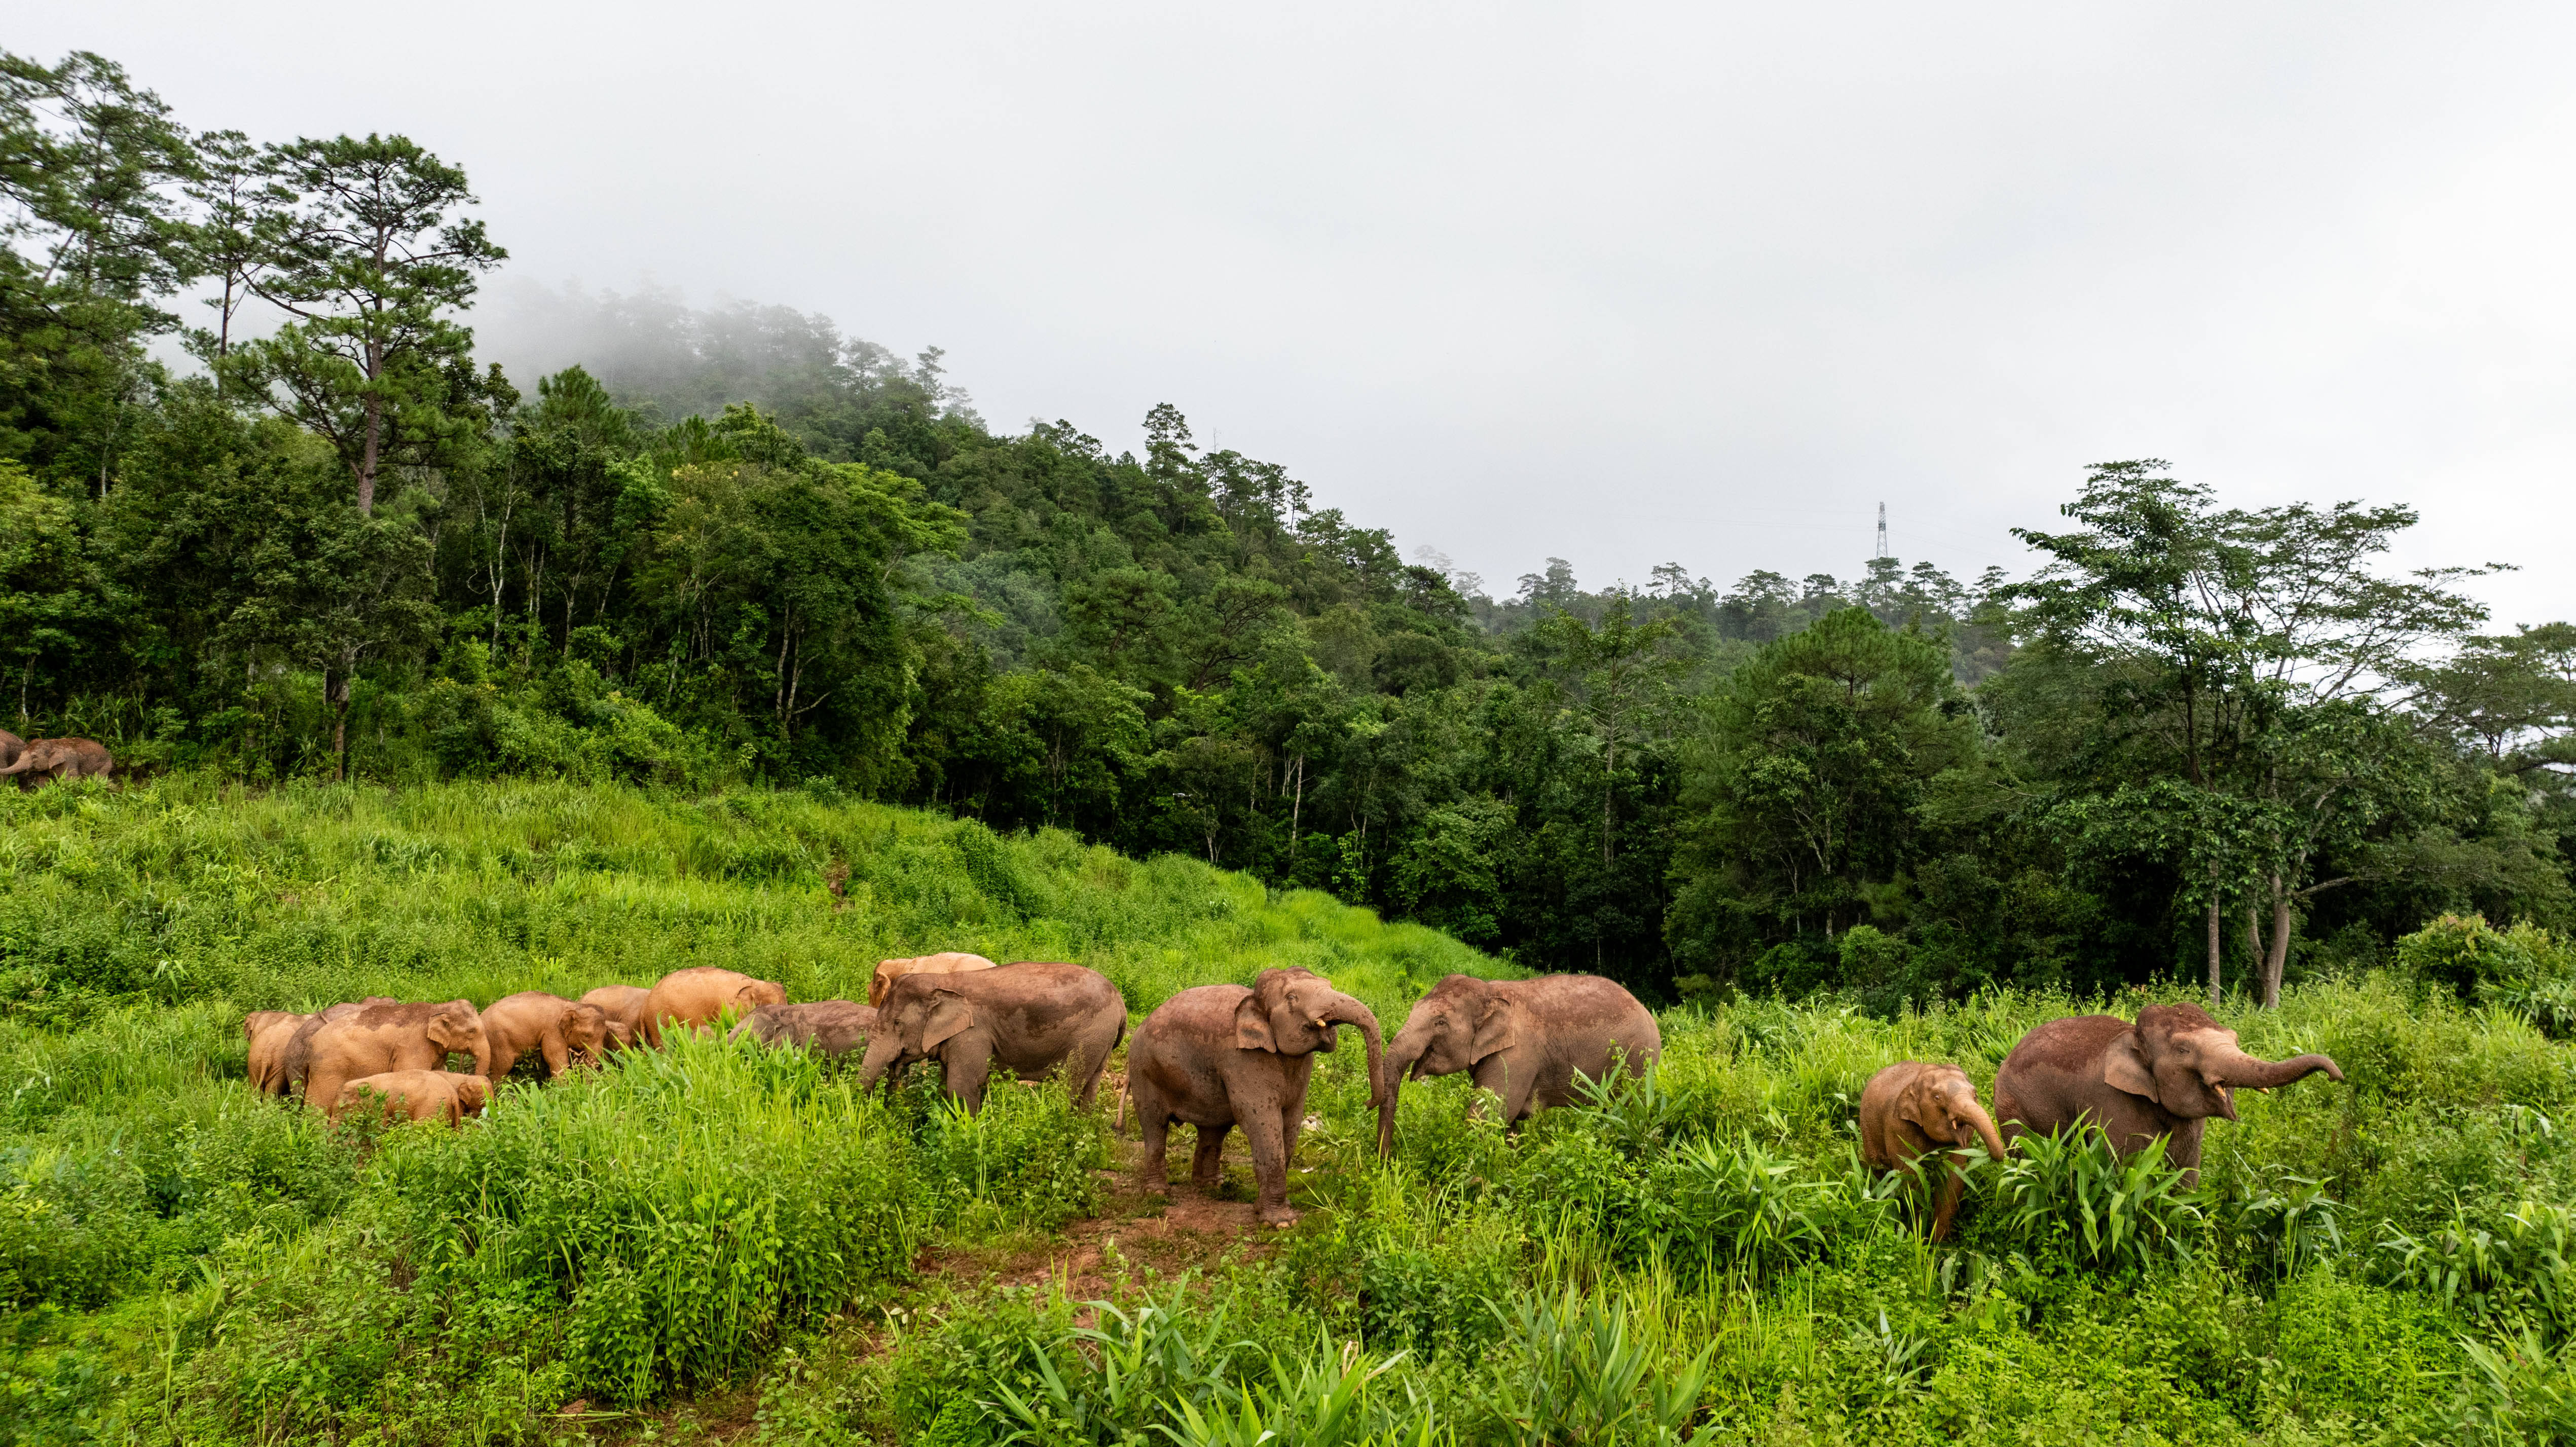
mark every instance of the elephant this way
{"type": "Point", "coordinates": [446, 1095]}
{"type": "Point", "coordinates": [379, 1038]}
{"type": "Point", "coordinates": [1913, 1107]}
{"type": "Point", "coordinates": [10, 747]}
{"type": "Point", "coordinates": [296, 1061]}
{"type": "Point", "coordinates": [2163, 1076]}
{"type": "Point", "coordinates": [41, 759]}
{"type": "Point", "coordinates": [268, 1032]}
{"type": "Point", "coordinates": [1524, 1040]}
{"type": "Point", "coordinates": [1025, 1018]}
{"type": "Point", "coordinates": [953, 962]}
{"type": "Point", "coordinates": [834, 1027]}
{"type": "Point", "coordinates": [624, 1007]}
{"type": "Point", "coordinates": [698, 995]}
{"type": "Point", "coordinates": [561, 1031]}
{"type": "Point", "coordinates": [1220, 1056]}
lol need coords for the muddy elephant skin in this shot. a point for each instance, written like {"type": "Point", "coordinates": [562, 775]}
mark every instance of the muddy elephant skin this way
{"type": "Point", "coordinates": [2163, 1076]}
{"type": "Point", "coordinates": [297, 1061]}
{"type": "Point", "coordinates": [562, 1032]}
{"type": "Point", "coordinates": [1220, 1056]}
{"type": "Point", "coordinates": [268, 1033]}
{"type": "Point", "coordinates": [379, 1038]}
{"type": "Point", "coordinates": [1913, 1108]}
{"type": "Point", "coordinates": [953, 962]}
{"type": "Point", "coordinates": [413, 1095]}
{"type": "Point", "coordinates": [39, 760]}
{"type": "Point", "coordinates": [624, 1007]}
{"type": "Point", "coordinates": [834, 1027]}
{"type": "Point", "coordinates": [1527, 1041]}
{"type": "Point", "coordinates": [700, 995]}
{"type": "Point", "coordinates": [1023, 1020]}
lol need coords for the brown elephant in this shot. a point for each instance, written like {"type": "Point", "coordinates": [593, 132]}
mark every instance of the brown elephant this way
{"type": "Point", "coordinates": [2163, 1076]}
{"type": "Point", "coordinates": [1220, 1056]}
{"type": "Point", "coordinates": [834, 1027]}
{"type": "Point", "coordinates": [1911, 1108]}
{"type": "Point", "coordinates": [562, 1032]}
{"type": "Point", "coordinates": [42, 759]}
{"type": "Point", "coordinates": [699, 995]}
{"type": "Point", "coordinates": [1026, 1019]}
{"type": "Point", "coordinates": [624, 1007]}
{"type": "Point", "coordinates": [296, 1062]}
{"type": "Point", "coordinates": [10, 747]}
{"type": "Point", "coordinates": [1527, 1041]}
{"type": "Point", "coordinates": [953, 962]}
{"type": "Point", "coordinates": [268, 1032]}
{"type": "Point", "coordinates": [380, 1038]}
{"type": "Point", "coordinates": [446, 1095]}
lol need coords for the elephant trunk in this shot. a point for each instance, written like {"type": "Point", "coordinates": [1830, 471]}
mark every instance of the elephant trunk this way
{"type": "Point", "coordinates": [1346, 1011]}
{"type": "Point", "coordinates": [1389, 1080]}
{"type": "Point", "coordinates": [1986, 1131]}
{"type": "Point", "coordinates": [885, 1051]}
{"type": "Point", "coordinates": [2268, 1075]}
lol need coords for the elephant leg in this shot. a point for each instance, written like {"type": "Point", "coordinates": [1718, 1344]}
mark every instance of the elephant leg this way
{"type": "Point", "coordinates": [1269, 1168]}
{"type": "Point", "coordinates": [1951, 1184]}
{"type": "Point", "coordinates": [322, 1086]}
{"type": "Point", "coordinates": [1154, 1118]}
{"type": "Point", "coordinates": [966, 1063]}
{"type": "Point", "coordinates": [503, 1060]}
{"type": "Point", "coordinates": [558, 1055]}
{"type": "Point", "coordinates": [1207, 1163]}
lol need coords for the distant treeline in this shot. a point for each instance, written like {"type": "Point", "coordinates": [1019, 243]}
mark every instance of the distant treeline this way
{"type": "Point", "coordinates": [736, 546]}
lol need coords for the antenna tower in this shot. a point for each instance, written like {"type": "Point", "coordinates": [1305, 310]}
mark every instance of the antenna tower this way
{"type": "Point", "coordinates": [1882, 530]}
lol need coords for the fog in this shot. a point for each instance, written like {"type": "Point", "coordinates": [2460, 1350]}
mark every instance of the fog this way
{"type": "Point", "coordinates": [1683, 283]}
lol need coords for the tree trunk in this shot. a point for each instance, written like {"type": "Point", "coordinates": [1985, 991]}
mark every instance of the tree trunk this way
{"type": "Point", "coordinates": [2214, 971]}
{"type": "Point", "coordinates": [2279, 955]}
{"type": "Point", "coordinates": [367, 458]}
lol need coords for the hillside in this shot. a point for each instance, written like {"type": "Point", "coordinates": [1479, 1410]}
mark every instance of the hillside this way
{"type": "Point", "coordinates": [717, 1243]}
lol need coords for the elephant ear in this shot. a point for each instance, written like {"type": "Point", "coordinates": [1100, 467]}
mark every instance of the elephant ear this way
{"type": "Point", "coordinates": [1252, 1026]}
{"type": "Point", "coordinates": [1914, 1104]}
{"type": "Point", "coordinates": [949, 1013]}
{"type": "Point", "coordinates": [1496, 1028]}
{"type": "Point", "coordinates": [2125, 1067]}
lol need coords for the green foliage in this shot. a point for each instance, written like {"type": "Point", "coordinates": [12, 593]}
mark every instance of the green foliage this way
{"type": "Point", "coordinates": [2071, 1197]}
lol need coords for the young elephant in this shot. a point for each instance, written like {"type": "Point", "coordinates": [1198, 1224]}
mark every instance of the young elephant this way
{"type": "Point", "coordinates": [1026, 1019]}
{"type": "Point", "coordinates": [296, 1061]}
{"type": "Point", "coordinates": [267, 1032]}
{"type": "Point", "coordinates": [953, 962]}
{"type": "Point", "coordinates": [699, 995]}
{"type": "Point", "coordinates": [42, 759]}
{"type": "Point", "coordinates": [446, 1095]}
{"type": "Point", "coordinates": [1221, 1056]}
{"type": "Point", "coordinates": [561, 1031]}
{"type": "Point", "coordinates": [834, 1027]}
{"type": "Point", "coordinates": [1525, 1040]}
{"type": "Point", "coordinates": [1911, 1108]}
{"type": "Point", "coordinates": [2164, 1076]}
{"type": "Point", "coordinates": [624, 1007]}
{"type": "Point", "coordinates": [379, 1038]}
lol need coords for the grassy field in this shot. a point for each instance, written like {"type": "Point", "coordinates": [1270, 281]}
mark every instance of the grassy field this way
{"type": "Point", "coordinates": [717, 1243]}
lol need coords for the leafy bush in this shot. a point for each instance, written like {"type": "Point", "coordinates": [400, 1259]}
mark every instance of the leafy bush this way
{"type": "Point", "coordinates": [2071, 1197]}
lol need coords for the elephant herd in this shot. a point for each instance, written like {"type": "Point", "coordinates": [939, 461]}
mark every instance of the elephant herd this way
{"type": "Point", "coordinates": [1224, 1057]}
{"type": "Point", "coordinates": [34, 761]}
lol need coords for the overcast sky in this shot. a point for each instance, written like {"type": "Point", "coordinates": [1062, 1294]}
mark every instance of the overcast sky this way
{"type": "Point", "coordinates": [1690, 283]}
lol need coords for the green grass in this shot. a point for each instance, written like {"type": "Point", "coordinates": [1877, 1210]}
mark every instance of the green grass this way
{"type": "Point", "coordinates": [1693, 1258]}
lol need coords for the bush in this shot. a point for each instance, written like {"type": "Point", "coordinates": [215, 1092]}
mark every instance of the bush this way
{"type": "Point", "coordinates": [2071, 1198]}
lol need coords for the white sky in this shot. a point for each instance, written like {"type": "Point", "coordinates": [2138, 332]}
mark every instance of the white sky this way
{"type": "Point", "coordinates": [1694, 282]}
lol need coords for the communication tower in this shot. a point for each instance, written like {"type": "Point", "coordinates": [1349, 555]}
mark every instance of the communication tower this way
{"type": "Point", "coordinates": [1882, 530]}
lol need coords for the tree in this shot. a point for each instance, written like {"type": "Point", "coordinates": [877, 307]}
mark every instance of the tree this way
{"type": "Point", "coordinates": [370, 264]}
{"type": "Point", "coordinates": [240, 202]}
{"type": "Point", "coordinates": [2251, 659]}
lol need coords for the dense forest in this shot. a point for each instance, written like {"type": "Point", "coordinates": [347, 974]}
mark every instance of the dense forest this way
{"type": "Point", "coordinates": [303, 532]}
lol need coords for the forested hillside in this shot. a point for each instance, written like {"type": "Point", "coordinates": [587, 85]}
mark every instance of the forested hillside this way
{"type": "Point", "coordinates": [737, 546]}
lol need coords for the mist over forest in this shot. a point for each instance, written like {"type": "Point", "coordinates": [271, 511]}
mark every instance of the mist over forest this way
{"type": "Point", "coordinates": [696, 547]}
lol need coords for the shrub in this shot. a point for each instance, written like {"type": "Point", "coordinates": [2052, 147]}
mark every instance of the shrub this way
{"type": "Point", "coordinates": [2071, 1197]}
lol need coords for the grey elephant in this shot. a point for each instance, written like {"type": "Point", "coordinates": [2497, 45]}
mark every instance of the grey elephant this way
{"type": "Point", "coordinates": [1220, 1056]}
{"type": "Point", "coordinates": [1914, 1108]}
{"type": "Point", "coordinates": [1026, 1019]}
{"type": "Point", "coordinates": [41, 759]}
{"type": "Point", "coordinates": [1527, 1041]}
{"type": "Point", "coordinates": [2163, 1076]}
{"type": "Point", "coordinates": [833, 1027]}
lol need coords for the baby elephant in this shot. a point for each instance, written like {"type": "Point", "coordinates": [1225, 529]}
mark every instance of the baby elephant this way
{"type": "Point", "coordinates": [1911, 1108]}
{"type": "Point", "coordinates": [699, 995]}
{"type": "Point", "coordinates": [561, 1031]}
{"type": "Point", "coordinates": [954, 962]}
{"type": "Point", "coordinates": [834, 1027]}
{"type": "Point", "coordinates": [414, 1095]}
